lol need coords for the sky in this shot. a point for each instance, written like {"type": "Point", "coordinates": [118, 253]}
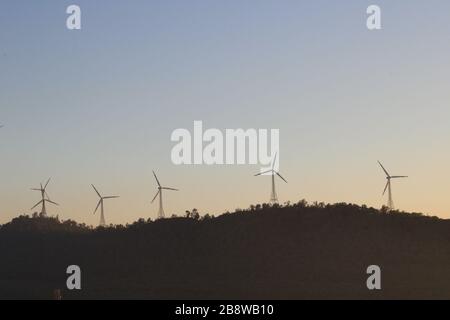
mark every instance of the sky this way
{"type": "Point", "coordinates": [99, 105]}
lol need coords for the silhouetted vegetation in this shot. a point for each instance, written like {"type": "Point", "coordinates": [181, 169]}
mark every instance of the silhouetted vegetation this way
{"type": "Point", "coordinates": [289, 251]}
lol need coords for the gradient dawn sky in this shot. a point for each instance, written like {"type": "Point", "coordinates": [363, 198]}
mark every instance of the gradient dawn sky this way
{"type": "Point", "coordinates": [99, 105]}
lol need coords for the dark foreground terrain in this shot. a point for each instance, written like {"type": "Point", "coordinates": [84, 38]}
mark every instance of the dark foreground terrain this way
{"type": "Point", "coordinates": [294, 252]}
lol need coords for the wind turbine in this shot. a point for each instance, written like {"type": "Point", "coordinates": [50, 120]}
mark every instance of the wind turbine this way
{"type": "Point", "coordinates": [273, 195]}
{"type": "Point", "coordinates": [100, 204]}
{"type": "Point", "coordinates": [388, 187]}
{"type": "Point", "coordinates": [45, 198]}
{"type": "Point", "coordinates": [160, 189]}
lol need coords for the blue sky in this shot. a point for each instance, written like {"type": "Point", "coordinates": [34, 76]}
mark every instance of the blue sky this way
{"type": "Point", "coordinates": [99, 105]}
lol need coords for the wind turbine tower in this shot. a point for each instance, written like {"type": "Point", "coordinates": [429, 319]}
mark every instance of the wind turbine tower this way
{"type": "Point", "coordinates": [44, 198]}
{"type": "Point", "coordinates": [388, 187]}
{"type": "Point", "coordinates": [161, 214]}
{"type": "Point", "coordinates": [273, 194]}
{"type": "Point", "coordinates": [100, 204]}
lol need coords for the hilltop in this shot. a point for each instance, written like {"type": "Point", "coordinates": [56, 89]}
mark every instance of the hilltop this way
{"type": "Point", "coordinates": [296, 251]}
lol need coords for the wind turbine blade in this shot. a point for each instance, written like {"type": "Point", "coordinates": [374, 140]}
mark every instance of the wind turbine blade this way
{"type": "Point", "coordinates": [281, 177]}
{"type": "Point", "coordinates": [385, 188]}
{"type": "Point", "coordinates": [37, 204]}
{"type": "Point", "coordinates": [47, 183]}
{"type": "Point", "coordinates": [395, 177]}
{"type": "Point", "coordinates": [111, 197]}
{"type": "Point", "coordinates": [274, 159]}
{"type": "Point", "coordinates": [34, 189]}
{"type": "Point", "coordinates": [157, 181]}
{"type": "Point", "coordinates": [385, 171]}
{"type": "Point", "coordinates": [98, 205]}
{"type": "Point", "coordinates": [165, 188]}
{"type": "Point", "coordinates": [155, 196]}
{"type": "Point", "coordinates": [96, 190]}
{"type": "Point", "coordinates": [261, 173]}
{"type": "Point", "coordinates": [52, 202]}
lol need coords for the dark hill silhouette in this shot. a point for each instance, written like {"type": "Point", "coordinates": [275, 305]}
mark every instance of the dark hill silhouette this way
{"type": "Point", "coordinates": [295, 251]}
